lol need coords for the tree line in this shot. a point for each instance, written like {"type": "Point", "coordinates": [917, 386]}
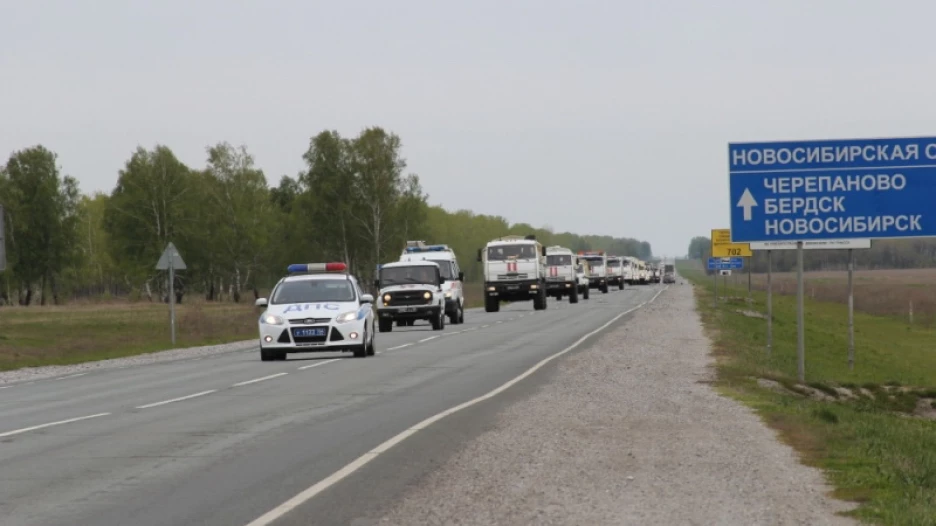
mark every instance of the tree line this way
{"type": "Point", "coordinates": [883, 254]}
{"type": "Point", "coordinates": [354, 202]}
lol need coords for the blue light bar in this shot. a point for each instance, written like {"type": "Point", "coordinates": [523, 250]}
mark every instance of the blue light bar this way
{"type": "Point", "coordinates": [428, 248]}
{"type": "Point", "coordinates": [306, 268]}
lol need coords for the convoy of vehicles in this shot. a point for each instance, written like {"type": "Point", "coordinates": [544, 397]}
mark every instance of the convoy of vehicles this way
{"type": "Point", "coordinates": [318, 307]}
{"type": "Point", "coordinates": [562, 277]}
{"type": "Point", "coordinates": [514, 269]}
{"type": "Point", "coordinates": [410, 291]}
{"type": "Point", "coordinates": [321, 307]}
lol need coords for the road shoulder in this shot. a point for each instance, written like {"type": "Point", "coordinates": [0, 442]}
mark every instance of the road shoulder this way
{"type": "Point", "coordinates": [626, 431]}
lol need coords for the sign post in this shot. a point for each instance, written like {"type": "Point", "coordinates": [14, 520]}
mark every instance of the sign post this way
{"type": "Point", "coordinates": [831, 191]}
{"type": "Point", "coordinates": [851, 312]}
{"type": "Point", "coordinates": [769, 306]}
{"type": "Point", "coordinates": [2, 241]}
{"type": "Point", "coordinates": [171, 260]}
{"type": "Point", "coordinates": [800, 321]}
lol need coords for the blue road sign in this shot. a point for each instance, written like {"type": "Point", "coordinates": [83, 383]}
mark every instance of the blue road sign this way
{"type": "Point", "coordinates": [834, 189]}
{"type": "Point", "coordinates": [725, 263]}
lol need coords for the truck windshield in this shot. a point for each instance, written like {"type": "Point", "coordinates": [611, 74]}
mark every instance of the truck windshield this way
{"type": "Point", "coordinates": [422, 274]}
{"type": "Point", "coordinates": [612, 263]}
{"type": "Point", "coordinates": [669, 268]}
{"type": "Point", "coordinates": [559, 259]}
{"type": "Point", "coordinates": [594, 262]}
{"type": "Point", "coordinates": [504, 252]}
{"type": "Point", "coordinates": [313, 291]}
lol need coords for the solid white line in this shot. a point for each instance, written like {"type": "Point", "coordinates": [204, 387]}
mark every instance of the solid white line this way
{"type": "Point", "coordinates": [304, 367]}
{"type": "Point", "coordinates": [485, 326]}
{"type": "Point", "coordinates": [71, 376]}
{"type": "Point", "coordinates": [427, 339]}
{"type": "Point", "coordinates": [255, 380]}
{"type": "Point", "coordinates": [43, 426]}
{"type": "Point", "coordinates": [284, 508]}
{"type": "Point", "coordinates": [399, 346]}
{"type": "Point", "coordinates": [6, 387]}
{"type": "Point", "coordinates": [164, 402]}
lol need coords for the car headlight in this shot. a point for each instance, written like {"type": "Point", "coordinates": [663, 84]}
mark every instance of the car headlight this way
{"type": "Point", "coordinates": [448, 294]}
{"type": "Point", "coordinates": [386, 298]}
{"type": "Point", "coordinates": [427, 295]}
{"type": "Point", "coordinates": [346, 317]}
{"type": "Point", "coordinates": [271, 319]}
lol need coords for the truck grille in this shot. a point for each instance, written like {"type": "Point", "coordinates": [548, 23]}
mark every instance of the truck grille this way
{"type": "Point", "coordinates": [408, 297]}
{"type": "Point", "coordinates": [505, 277]}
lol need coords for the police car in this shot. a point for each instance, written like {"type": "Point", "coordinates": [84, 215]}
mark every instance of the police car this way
{"type": "Point", "coordinates": [319, 307]}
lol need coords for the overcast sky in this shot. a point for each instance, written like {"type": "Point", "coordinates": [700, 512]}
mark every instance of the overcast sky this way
{"type": "Point", "coordinates": [608, 117]}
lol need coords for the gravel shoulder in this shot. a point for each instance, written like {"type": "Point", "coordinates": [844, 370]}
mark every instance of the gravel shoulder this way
{"type": "Point", "coordinates": [30, 374]}
{"type": "Point", "coordinates": [627, 431]}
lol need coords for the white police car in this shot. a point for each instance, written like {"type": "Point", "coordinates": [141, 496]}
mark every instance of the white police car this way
{"type": "Point", "coordinates": [319, 307]}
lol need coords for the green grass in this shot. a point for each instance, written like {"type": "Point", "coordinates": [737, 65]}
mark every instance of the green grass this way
{"type": "Point", "coordinates": [883, 460]}
{"type": "Point", "coordinates": [35, 336]}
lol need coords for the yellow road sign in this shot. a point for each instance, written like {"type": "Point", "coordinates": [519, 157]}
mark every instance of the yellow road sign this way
{"type": "Point", "coordinates": [722, 247]}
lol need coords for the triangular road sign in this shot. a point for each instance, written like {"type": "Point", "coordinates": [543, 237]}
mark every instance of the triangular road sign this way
{"type": "Point", "coordinates": [170, 252]}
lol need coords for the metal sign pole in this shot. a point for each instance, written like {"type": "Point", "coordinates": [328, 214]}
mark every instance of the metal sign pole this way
{"type": "Point", "coordinates": [715, 276]}
{"type": "Point", "coordinates": [769, 306]}
{"type": "Point", "coordinates": [851, 312]}
{"type": "Point", "coordinates": [800, 322]}
{"type": "Point", "coordinates": [750, 264]}
{"type": "Point", "coordinates": [172, 298]}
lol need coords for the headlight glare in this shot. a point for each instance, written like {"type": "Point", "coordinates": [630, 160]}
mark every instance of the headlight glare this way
{"type": "Point", "coordinates": [271, 319]}
{"type": "Point", "coordinates": [427, 295]}
{"type": "Point", "coordinates": [346, 317]}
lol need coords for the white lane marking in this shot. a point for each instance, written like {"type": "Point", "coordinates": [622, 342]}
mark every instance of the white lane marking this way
{"type": "Point", "coordinates": [427, 339]}
{"type": "Point", "coordinates": [307, 494]}
{"type": "Point", "coordinates": [255, 380]}
{"type": "Point", "coordinates": [70, 376]}
{"type": "Point", "coordinates": [471, 329]}
{"type": "Point", "coordinates": [6, 387]}
{"type": "Point", "coordinates": [399, 346]}
{"type": "Point", "coordinates": [164, 402]}
{"type": "Point", "coordinates": [304, 367]}
{"type": "Point", "coordinates": [485, 326]}
{"type": "Point", "coordinates": [43, 426]}
{"type": "Point", "coordinates": [499, 322]}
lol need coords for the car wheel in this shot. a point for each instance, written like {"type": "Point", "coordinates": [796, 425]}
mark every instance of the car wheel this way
{"type": "Point", "coordinates": [267, 355]}
{"type": "Point", "coordinates": [370, 349]}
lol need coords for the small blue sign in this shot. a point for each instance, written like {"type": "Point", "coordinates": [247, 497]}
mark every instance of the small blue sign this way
{"type": "Point", "coordinates": [725, 263]}
{"type": "Point", "coordinates": [833, 189]}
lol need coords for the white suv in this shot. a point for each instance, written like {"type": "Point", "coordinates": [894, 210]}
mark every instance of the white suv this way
{"type": "Point", "coordinates": [453, 288]}
{"type": "Point", "coordinates": [410, 291]}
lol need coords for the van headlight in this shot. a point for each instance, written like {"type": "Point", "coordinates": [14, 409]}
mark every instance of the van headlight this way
{"type": "Point", "coordinates": [427, 295]}
{"type": "Point", "coordinates": [271, 319]}
{"type": "Point", "coordinates": [346, 317]}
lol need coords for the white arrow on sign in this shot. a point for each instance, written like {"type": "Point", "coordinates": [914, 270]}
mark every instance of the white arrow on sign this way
{"type": "Point", "coordinates": [747, 202]}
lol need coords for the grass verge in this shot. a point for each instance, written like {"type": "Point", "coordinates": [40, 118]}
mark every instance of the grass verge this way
{"type": "Point", "coordinates": [36, 336]}
{"type": "Point", "coordinates": [869, 429]}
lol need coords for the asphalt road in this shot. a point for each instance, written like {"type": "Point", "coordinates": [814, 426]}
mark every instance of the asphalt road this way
{"type": "Point", "coordinates": [222, 440]}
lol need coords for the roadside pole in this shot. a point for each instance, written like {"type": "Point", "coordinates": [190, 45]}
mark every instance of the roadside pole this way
{"type": "Point", "coordinates": [851, 312]}
{"type": "Point", "coordinates": [172, 299]}
{"type": "Point", "coordinates": [800, 322]}
{"type": "Point", "coordinates": [715, 275]}
{"type": "Point", "coordinates": [750, 264]}
{"type": "Point", "coordinates": [769, 306]}
{"type": "Point", "coordinates": [171, 260]}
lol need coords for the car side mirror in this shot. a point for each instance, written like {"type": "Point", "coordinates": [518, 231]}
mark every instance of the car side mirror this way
{"type": "Point", "coordinates": [367, 298]}
{"type": "Point", "coordinates": [479, 255]}
{"type": "Point", "coordinates": [461, 276]}
{"type": "Point", "coordinates": [261, 302]}
{"type": "Point", "coordinates": [543, 251]}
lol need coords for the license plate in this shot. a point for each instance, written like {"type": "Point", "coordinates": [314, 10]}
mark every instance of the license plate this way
{"type": "Point", "coordinates": [408, 309]}
{"type": "Point", "coordinates": [513, 287]}
{"type": "Point", "coordinates": [306, 333]}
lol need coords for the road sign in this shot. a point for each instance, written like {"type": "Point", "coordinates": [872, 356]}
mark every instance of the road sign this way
{"type": "Point", "coordinates": [831, 244]}
{"type": "Point", "coordinates": [170, 252]}
{"type": "Point", "coordinates": [832, 189]}
{"type": "Point", "coordinates": [2, 242]}
{"type": "Point", "coordinates": [725, 263]}
{"type": "Point", "coordinates": [722, 247]}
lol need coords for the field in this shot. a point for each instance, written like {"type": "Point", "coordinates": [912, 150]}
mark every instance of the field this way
{"type": "Point", "coordinates": [879, 292]}
{"type": "Point", "coordinates": [870, 429]}
{"type": "Point", "coordinates": [81, 332]}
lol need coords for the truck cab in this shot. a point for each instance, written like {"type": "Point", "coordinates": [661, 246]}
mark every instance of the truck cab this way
{"type": "Point", "coordinates": [616, 272]}
{"type": "Point", "coordinates": [514, 270]}
{"type": "Point", "coordinates": [561, 277]}
{"type": "Point", "coordinates": [597, 262]}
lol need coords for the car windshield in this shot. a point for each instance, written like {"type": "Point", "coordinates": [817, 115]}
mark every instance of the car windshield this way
{"type": "Point", "coordinates": [559, 259]}
{"type": "Point", "coordinates": [313, 291]}
{"type": "Point", "coordinates": [445, 268]}
{"type": "Point", "coordinates": [422, 274]}
{"type": "Point", "coordinates": [504, 252]}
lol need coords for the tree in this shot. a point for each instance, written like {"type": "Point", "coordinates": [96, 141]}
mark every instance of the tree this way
{"type": "Point", "coordinates": [699, 246]}
{"type": "Point", "coordinates": [41, 220]}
